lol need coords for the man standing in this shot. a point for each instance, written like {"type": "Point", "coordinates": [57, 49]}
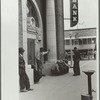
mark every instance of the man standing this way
{"type": "Point", "coordinates": [40, 60]}
{"type": "Point", "coordinates": [76, 59]}
{"type": "Point", "coordinates": [24, 80]}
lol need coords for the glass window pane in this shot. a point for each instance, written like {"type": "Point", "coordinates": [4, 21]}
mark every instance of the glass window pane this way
{"type": "Point", "coordinates": [94, 40]}
{"type": "Point", "coordinates": [73, 42]}
{"type": "Point", "coordinates": [89, 41]}
{"type": "Point", "coordinates": [84, 41]}
{"type": "Point", "coordinates": [80, 41]}
{"type": "Point", "coordinates": [67, 42]}
{"type": "Point", "coordinates": [76, 42]}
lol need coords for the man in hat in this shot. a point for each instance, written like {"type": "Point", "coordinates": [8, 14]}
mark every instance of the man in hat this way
{"type": "Point", "coordinates": [24, 80]}
{"type": "Point", "coordinates": [76, 59]}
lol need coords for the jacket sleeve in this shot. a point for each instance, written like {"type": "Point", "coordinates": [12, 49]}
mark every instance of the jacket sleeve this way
{"type": "Point", "coordinates": [45, 52]}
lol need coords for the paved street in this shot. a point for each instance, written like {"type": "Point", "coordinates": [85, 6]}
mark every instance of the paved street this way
{"type": "Point", "coordinates": [64, 87]}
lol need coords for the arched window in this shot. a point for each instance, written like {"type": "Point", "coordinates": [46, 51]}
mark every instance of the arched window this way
{"type": "Point", "coordinates": [32, 12]}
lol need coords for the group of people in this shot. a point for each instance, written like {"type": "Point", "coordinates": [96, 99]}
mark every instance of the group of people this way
{"type": "Point", "coordinates": [62, 66]}
{"type": "Point", "coordinates": [23, 78]}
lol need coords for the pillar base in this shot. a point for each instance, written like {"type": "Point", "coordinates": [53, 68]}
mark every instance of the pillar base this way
{"type": "Point", "coordinates": [30, 73]}
{"type": "Point", "coordinates": [48, 66]}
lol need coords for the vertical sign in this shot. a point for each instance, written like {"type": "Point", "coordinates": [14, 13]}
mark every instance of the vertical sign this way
{"type": "Point", "coordinates": [73, 12]}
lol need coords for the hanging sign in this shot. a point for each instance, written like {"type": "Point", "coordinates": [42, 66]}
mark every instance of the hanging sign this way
{"type": "Point", "coordinates": [73, 12]}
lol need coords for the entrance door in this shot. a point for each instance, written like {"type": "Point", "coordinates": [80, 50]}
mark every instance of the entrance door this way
{"type": "Point", "coordinates": [31, 50]}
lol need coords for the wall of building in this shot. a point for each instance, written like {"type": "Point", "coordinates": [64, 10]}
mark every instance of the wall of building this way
{"type": "Point", "coordinates": [24, 35]}
{"type": "Point", "coordinates": [84, 39]}
{"type": "Point", "coordinates": [81, 47]}
{"type": "Point", "coordinates": [86, 43]}
{"type": "Point", "coordinates": [23, 22]}
{"type": "Point", "coordinates": [42, 6]}
{"type": "Point", "coordinates": [20, 23]}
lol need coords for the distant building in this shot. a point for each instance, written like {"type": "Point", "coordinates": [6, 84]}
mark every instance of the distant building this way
{"type": "Point", "coordinates": [83, 39]}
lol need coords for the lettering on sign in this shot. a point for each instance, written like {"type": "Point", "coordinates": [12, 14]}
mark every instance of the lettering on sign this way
{"type": "Point", "coordinates": [73, 12]}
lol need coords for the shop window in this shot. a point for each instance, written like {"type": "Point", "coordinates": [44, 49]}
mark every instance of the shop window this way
{"type": "Point", "coordinates": [67, 42]}
{"type": "Point", "coordinates": [76, 42]}
{"type": "Point", "coordinates": [89, 41]}
{"type": "Point", "coordinates": [73, 42]}
{"type": "Point", "coordinates": [80, 42]}
{"type": "Point", "coordinates": [94, 40]}
{"type": "Point", "coordinates": [84, 41]}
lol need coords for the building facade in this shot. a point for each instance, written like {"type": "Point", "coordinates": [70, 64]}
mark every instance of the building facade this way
{"type": "Point", "coordinates": [41, 24]}
{"type": "Point", "coordinates": [83, 39]}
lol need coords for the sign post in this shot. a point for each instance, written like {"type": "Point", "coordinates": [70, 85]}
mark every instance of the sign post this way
{"type": "Point", "coordinates": [70, 35]}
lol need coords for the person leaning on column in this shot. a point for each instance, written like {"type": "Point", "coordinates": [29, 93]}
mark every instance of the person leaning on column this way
{"type": "Point", "coordinates": [23, 78]}
{"type": "Point", "coordinates": [39, 59]}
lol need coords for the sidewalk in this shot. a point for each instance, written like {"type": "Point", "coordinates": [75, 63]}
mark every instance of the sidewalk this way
{"type": "Point", "coordinates": [64, 87]}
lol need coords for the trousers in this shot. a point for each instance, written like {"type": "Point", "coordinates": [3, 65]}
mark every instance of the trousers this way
{"type": "Point", "coordinates": [24, 80]}
{"type": "Point", "coordinates": [76, 67]}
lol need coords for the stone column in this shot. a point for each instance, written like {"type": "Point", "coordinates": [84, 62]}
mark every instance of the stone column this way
{"type": "Point", "coordinates": [24, 27]}
{"type": "Point", "coordinates": [59, 28]}
{"type": "Point", "coordinates": [51, 30]}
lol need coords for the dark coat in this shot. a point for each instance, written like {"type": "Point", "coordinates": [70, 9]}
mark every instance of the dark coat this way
{"type": "Point", "coordinates": [76, 59]}
{"type": "Point", "coordinates": [76, 55]}
{"type": "Point", "coordinates": [21, 62]}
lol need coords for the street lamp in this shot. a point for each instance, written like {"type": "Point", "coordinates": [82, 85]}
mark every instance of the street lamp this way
{"type": "Point", "coordinates": [70, 35]}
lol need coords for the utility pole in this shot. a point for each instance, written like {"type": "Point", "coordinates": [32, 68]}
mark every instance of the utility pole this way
{"type": "Point", "coordinates": [71, 48]}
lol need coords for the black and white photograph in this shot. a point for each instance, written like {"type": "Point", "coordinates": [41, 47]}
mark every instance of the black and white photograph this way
{"type": "Point", "coordinates": [49, 50]}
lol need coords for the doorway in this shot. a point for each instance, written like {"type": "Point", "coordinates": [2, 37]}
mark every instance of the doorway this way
{"type": "Point", "coordinates": [31, 51]}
